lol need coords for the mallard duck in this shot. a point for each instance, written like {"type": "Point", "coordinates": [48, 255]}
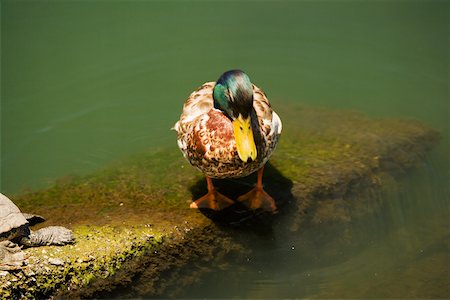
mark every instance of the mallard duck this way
{"type": "Point", "coordinates": [227, 130]}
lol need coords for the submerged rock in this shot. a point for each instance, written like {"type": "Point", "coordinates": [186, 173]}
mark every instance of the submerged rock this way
{"type": "Point", "coordinates": [322, 160]}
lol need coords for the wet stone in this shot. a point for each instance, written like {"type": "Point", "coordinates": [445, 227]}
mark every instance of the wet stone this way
{"type": "Point", "coordinates": [323, 158]}
{"type": "Point", "coordinates": [56, 261]}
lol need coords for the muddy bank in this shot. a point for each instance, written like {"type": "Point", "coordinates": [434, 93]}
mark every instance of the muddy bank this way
{"type": "Point", "coordinates": [133, 224]}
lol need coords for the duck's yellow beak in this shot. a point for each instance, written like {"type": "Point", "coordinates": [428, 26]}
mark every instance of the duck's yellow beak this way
{"type": "Point", "coordinates": [243, 135]}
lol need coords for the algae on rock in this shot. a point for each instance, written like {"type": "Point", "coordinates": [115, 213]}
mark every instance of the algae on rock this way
{"type": "Point", "coordinates": [124, 213]}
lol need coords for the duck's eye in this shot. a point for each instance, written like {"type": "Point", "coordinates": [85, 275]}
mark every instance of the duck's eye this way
{"type": "Point", "coordinates": [240, 127]}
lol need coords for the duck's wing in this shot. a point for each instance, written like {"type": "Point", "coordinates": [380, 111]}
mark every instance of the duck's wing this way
{"type": "Point", "coordinates": [196, 106]}
{"type": "Point", "coordinates": [199, 102]}
{"type": "Point", "coordinates": [269, 121]}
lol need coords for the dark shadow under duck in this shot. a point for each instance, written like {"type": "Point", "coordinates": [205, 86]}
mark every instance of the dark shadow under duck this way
{"type": "Point", "coordinates": [238, 214]}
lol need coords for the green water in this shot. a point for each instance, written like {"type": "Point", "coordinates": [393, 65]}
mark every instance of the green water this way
{"type": "Point", "coordinates": [84, 84]}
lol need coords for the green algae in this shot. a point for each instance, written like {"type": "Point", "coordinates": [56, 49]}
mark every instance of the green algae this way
{"type": "Point", "coordinates": [131, 208]}
{"type": "Point", "coordinates": [128, 192]}
{"type": "Point", "coordinates": [98, 253]}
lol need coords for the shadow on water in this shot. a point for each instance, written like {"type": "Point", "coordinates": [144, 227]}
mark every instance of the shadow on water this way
{"type": "Point", "coordinates": [238, 215]}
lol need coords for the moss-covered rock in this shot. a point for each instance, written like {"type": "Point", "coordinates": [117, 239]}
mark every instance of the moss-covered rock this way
{"type": "Point", "coordinates": [132, 220]}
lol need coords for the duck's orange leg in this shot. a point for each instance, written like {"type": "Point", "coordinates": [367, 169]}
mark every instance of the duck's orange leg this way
{"type": "Point", "coordinates": [257, 198]}
{"type": "Point", "coordinates": [213, 199]}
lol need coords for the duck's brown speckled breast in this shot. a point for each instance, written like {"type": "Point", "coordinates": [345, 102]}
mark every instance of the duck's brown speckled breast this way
{"type": "Point", "coordinates": [213, 148]}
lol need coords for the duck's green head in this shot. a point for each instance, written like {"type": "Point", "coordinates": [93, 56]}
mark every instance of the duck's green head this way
{"type": "Point", "coordinates": [233, 94]}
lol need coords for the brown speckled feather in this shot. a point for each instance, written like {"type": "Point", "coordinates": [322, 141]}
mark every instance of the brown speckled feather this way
{"type": "Point", "coordinates": [206, 138]}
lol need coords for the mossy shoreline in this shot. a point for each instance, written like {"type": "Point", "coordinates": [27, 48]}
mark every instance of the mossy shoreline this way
{"type": "Point", "coordinates": [132, 220]}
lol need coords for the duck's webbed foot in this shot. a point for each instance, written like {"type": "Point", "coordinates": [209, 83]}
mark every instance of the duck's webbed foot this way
{"type": "Point", "coordinates": [213, 199]}
{"type": "Point", "coordinates": [257, 198]}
